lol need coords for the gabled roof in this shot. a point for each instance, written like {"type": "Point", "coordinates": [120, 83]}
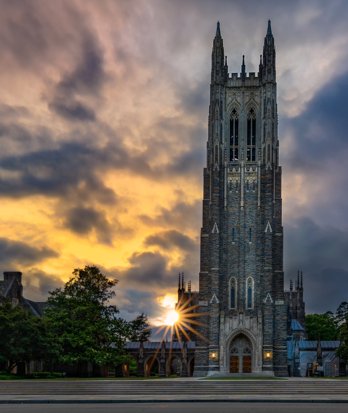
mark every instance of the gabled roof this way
{"type": "Point", "coordinates": [296, 326]}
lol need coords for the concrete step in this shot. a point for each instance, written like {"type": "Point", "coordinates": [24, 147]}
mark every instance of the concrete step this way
{"type": "Point", "coordinates": [180, 387]}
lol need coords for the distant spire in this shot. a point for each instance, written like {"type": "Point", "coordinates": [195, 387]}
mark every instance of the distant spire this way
{"type": "Point", "coordinates": [189, 286]}
{"type": "Point", "coordinates": [243, 67]}
{"type": "Point", "coordinates": [182, 281]}
{"type": "Point", "coordinates": [298, 280]}
{"type": "Point", "coordinates": [260, 66]}
{"type": "Point", "coordinates": [179, 282]}
{"type": "Point", "coordinates": [291, 285]}
{"type": "Point", "coordinates": [301, 281]}
{"type": "Point", "coordinates": [269, 29]}
{"type": "Point", "coordinates": [218, 33]}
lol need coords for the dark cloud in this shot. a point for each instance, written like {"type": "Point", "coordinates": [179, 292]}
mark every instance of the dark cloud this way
{"type": "Point", "coordinates": [15, 139]}
{"type": "Point", "coordinates": [83, 220]}
{"type": "Point", "coordinates": [320, 151]}
{"type": "Point", "coordinates": [38, 284]}
{"type": "Point", "coordinates": [85, 80]}
{"type": "Point", "coordinates": [171, 239]}
{"type": "Point", "coordinates": [70, 170]}
{"type": "Point", "coordinates": [13, 112]}
{"type": "Point", "coordinates": [182, 215]}
{"type": "Point", "coordinates": [75, 169]}
{"type": "Point", "coordinates": [320, 132]}
{"type": "Point", "coordinates": [72, 110]}
{"type": "Point", "coordinates": [21, 254]}
{"type": "Point", "coordinates": [321, 252]}
{"type": "Point", "coordinates": [132, 302]}
{"type": "Point", "coordinates": [148, 270]}
{"type": "Point", "coordinates": [89, 75]}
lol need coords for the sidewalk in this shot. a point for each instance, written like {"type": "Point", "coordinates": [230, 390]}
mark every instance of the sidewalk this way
{"type": "Point", "coordinates": [183, 390]}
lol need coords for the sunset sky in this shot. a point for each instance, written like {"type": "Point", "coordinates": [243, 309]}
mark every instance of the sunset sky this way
{"type": "Point", "coordinates": [103, 129]}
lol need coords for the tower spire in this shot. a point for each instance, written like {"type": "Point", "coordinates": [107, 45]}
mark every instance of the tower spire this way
{"type": "Point", "coordinates": [269, 29]}
{"type": "Point", "coordinates": [218, 33]}
{"type": "Point", "coordinates": [218, 58]}
{"type": "Point", "coordinates": [243, 68]}
{"type": "Point", "coordinates": [268, 69]}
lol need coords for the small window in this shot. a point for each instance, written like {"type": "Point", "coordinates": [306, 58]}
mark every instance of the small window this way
{"type": "Point", "coordinates": [251, 136]}
{"type": "Point", "coordinates": [234, 131]}
{"type": "Point", "coordinates": [233, 293]}
{"type": "Point", "coordinates": [250, 293]}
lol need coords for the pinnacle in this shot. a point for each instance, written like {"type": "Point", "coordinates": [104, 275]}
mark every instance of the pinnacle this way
{"type": "Point", "coordinates": [269, 29]}
{"type": "Point", "coordinates": [218, 33]}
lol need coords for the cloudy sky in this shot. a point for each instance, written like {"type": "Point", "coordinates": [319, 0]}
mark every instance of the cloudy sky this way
{"type": "Point", "coordinates": [103, 127]}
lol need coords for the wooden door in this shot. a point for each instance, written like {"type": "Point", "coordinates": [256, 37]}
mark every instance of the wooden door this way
{"type": "Point", "coordinates": [234, 364]}
{"type": "Point", "coordinates": [246, 364]}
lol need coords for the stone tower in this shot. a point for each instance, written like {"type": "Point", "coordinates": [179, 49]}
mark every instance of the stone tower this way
{"type": "Point", "coordinates": [241, 280]}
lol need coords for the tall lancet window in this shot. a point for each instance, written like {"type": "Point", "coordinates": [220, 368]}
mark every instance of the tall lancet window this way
{"type": "Point", "coordinates": [234, 125]}
{"type": "Point", "coordinates": [251, 136]}
{"type": "Point", "coordinates": [250, 293]}
{"type": "Point", "coordinates": [233, 293]}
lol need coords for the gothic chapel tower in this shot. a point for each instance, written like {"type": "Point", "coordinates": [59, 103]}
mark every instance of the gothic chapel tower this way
{"type": "Point", "coordinates": [241, 281]}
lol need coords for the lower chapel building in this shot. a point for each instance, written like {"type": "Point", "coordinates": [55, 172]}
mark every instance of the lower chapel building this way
{"type": "Point", "coordinates": [247, 323]}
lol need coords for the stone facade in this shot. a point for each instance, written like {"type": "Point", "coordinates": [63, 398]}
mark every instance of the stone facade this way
{"type": "Point", "coordinates": [161, 358]}
{"type": "Point", "coordinates": [241, 280]}
{"type": "Point", "coordinates": [294, 300]}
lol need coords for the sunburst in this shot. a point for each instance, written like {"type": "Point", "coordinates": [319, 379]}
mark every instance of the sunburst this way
{"type": "Point", "coordinates": [181, 325]}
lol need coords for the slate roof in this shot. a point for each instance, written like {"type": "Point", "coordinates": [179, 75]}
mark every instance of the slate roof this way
{"type": "Point", "coordinates": [154, 345]}
{"type": "Point", "coordinates": [312, 344]}
{"type": "Point", "coordinates": [296, 326]}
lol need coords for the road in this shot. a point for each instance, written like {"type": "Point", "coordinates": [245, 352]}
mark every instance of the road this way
{"type": "Point", "coordinates": [196, 407]}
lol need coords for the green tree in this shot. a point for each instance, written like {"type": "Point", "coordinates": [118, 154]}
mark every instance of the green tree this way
{"type": "Point", "coordinates": [83, 322]}
{"type": "Point", "coordinates": [342, 323]}
{"type": "Point", "coordinates": [321, 326]}
{"type": "Point", "coordinates": [23, 337]}
{"type": "Point", "coordinates": [139, 329]}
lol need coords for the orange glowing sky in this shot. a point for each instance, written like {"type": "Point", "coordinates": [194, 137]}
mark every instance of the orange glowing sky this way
{"type": "Point", "coordinates": [103, 119]}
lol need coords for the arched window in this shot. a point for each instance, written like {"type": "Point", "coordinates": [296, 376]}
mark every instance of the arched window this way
{"type": "Point", "coordinates": [249, 293]}
{"type": "Point", "coordinates": [251, 136]}
{"type": "Point", "coordinates": [216, 154]}
{"type": "Point", "coordinates": [233, 293]}
{"type": "Point", "coordinates": [234, 126]}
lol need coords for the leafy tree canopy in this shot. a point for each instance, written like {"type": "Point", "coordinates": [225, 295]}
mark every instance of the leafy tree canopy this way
{"type": "Point", "coordinates": [342, 322]}
{"type": "Point", "coordinates": [83, 321]}
{"type": "Point", "coordinates": [22, 336]}
{"type": "Point", "coordinates": [321, 326]}
{"type": "Point", "coordinates": [139, 329]}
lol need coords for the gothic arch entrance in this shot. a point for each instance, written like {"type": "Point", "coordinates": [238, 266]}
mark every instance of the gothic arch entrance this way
{"type": "Point", "coordinates": [241, 355]}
